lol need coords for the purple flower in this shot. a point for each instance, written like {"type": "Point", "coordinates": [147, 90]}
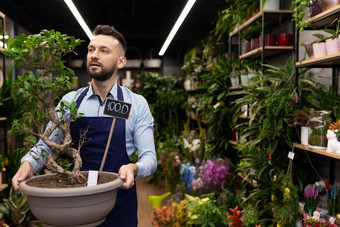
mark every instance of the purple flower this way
{"type": "Point", "coordinates": [308, 192]}
{"type": "Point", "coordinates": [197, 184]}
{"type": "Point", "coordinates": [311, 192]}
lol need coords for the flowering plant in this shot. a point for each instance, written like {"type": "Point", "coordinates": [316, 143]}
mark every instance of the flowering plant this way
{"type": "Point", "coordinates": [310, 194]}
{"type": "Point", "coordinates": [335, 127]}
{"type": "Point", "coordinates": [332, 194]}
{"type": "Point", "coordinates": [174, 215]}
{"type": "Point", "coordinates": [204, 211]}
{"type": "Point", "coordinates": [211, 175]}
{"type": "Point", "coordinates": [285, 199]}
{"type": "Point", "coordinates": [3, 163]}
{"type": "Point", "coordinates": [171, 168]}
{"type": "Point", "coordinates": [237, 221]}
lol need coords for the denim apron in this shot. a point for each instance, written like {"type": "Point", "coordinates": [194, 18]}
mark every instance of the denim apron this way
{"type": "Point", "coordinates": [124, 213]}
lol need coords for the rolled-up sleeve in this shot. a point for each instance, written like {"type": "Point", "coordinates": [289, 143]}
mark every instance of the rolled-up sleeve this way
{"type": "Point", "coordinates": [144, 141]}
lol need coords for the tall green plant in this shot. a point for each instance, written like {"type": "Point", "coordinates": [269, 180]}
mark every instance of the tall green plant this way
{"type": "Point", "coordinates": [45, 82]}
{"type": "Point", "coordinates": [215, 106]}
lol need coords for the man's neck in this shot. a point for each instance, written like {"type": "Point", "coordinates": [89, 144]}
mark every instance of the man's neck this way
{"type": "Point", "coordinates": [102, 88]}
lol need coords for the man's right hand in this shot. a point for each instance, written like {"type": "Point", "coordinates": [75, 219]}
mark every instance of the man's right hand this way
{"type": "Point", "coordinates": [24, 172]}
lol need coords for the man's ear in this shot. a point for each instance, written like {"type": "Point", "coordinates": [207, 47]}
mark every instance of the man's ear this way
{"type": "Point", "coordinates": [121, 62]}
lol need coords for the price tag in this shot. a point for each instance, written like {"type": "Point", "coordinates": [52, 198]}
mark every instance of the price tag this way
{"type": "Point", "coordinates": [291, 155]}
{"type": "Point", "coordinates": [117, 108]}
{"type": "Point", "coordinates": [92, 178]}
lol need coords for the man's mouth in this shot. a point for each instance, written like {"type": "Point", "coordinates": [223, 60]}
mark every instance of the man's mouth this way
{"type": "Point", "coordinates": [95, 64]}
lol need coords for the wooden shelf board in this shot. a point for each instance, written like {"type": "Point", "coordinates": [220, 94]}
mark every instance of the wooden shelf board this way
{"type": "Point", "coordinates": [235, 88]}
{"type": "Point", "coordinates": [233, 142]}
{"type": "Point", "coordinates": [3, 118]}
{"type": "Point", "coordinates": [1, 48]}
{"type": "Point", "coordinates": [317, 151]}
{"type": "Point", "coordinates": [269, 51]}
{"type": "Point", "coordinates": [3, 187]}
{"type": "Point", "coordinates": [329, 60]}
{"type": "Point", "coordinates": [269, 14]}
{"type": "Point", "coordinates": [325, 18]}
{"type": "Point", "coordinates": [244, 117]}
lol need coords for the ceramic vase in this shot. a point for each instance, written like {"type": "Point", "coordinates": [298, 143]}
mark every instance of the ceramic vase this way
{"type": "Point", "coordinates": [332, 46]}
{"type": "Point", "coordinates": [328, 4]}
{"type": "Point", "coordinates": [309, 50]}
{"type": "Point", "coordinates": [244, 79]}
{"type": "Point", "coordinates": [315, 8]}
{"type": "Point", "coordinates": [254, 43]}
{"type": "Point", "coordinates": [284, 39]}
{"type": "Point", "coordinates": [247, 47]}
{"type": "Point", "coordinates": [319, 49]}
{"type": "Point", "coordinates": [269, 40]}
{"type": "Point", "coordinates": [270, 4]}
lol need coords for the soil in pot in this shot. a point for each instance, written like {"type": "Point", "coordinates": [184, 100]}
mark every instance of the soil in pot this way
{"type": "Point", "coordinates": [56, 181]}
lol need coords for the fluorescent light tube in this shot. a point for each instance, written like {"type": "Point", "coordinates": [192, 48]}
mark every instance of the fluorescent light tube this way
{"type": "Point", "coordinates": [79, 18]}
{"type": "Point", "coordinates": [178, 24]}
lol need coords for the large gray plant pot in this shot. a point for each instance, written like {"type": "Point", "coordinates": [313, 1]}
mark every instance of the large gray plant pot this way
{"type": "Point", "coordinates": [81, 206]}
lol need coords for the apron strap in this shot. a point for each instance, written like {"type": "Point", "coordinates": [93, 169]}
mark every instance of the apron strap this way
{"type": "Point", "coordinates": [82, 95]}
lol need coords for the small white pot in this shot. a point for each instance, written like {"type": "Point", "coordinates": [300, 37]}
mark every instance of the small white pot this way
{"type": "Point", "coordinates": [332, 46]}
{"type": "Point", "coordinates": [304, 135]}
{"type": "Point", "coordinates": [271, 4]}
{"type": "Point", "coordinates": [319, 49]}
{"type": "Point", "coordinates": [244, 79]}
{"type": "Point", "coordinates": [234, 81]}
{"type": "Point", "coordinates": [251, 75]}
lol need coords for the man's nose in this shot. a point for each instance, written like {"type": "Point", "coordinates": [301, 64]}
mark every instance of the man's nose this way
{"type": "Point", "coordinates": [94, 54]}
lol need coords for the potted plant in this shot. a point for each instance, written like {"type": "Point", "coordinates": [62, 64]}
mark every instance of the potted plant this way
{"type": "Point", "coordinates": [319, 45]}
{"type": "Point", "coordinates": [300, 118]}
{"type": "Point", "coordinates": [46, 80]}
{"type": "Point", "coordinates": [332, 41]}
{"type": "Point", "coordinates": [318, 125]}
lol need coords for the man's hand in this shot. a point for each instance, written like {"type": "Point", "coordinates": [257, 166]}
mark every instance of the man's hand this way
{"type": "Point", "coordinates": [127, 173]}
{"type": "Point", "coordinates": [24, 172]}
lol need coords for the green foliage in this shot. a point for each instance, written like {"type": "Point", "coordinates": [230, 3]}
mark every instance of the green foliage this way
{"type": "Point", "coordinates": [285, 199]}
{"type": "Point", "coordinates": [271, 98]}
{"type": "Point", "coordinates": [50, 78]}
{"type": "Point", "coordinates": [17, 206]}
{"type": "Point", "coordinates": [334, 33]}
{"type": "Point", "coordinates": [321, 99]}
{"type": "Point", "coordinates": [167, 100]}
{"type": "Point", "coordinates": [206, 213]}
{"type": "Point", "coordinates": [233, 14]}
{"type": "Point", "coordinates": [215, 107]}
{"type": "Point", "coordinates": [299, 7]}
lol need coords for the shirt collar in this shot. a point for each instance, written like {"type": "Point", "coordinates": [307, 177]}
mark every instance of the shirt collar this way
{"type": "Point", "coordinates": [112, 94]}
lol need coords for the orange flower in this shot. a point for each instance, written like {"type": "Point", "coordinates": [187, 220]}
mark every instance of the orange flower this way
{"type": "Point", "coordinates": [334, 126]}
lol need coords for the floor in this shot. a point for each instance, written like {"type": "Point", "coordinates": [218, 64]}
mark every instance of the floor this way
{"type": "Point", "coordinates": [144, 190]}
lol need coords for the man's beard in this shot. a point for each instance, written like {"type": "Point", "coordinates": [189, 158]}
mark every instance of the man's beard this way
{"type": "Point", "coordinates": [102, 75]}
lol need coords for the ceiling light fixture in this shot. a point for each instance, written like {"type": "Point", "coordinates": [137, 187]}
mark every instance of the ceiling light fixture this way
{"type": "Point", "coordinates": [175, 28]}
{"type": "Point", "coordinates": [79, 18]}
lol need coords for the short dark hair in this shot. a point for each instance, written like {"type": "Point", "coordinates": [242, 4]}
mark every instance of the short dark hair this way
{"type": "Point", "coordinates": [111, 31]}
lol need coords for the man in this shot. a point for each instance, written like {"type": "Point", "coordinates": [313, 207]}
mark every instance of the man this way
{"type": "Point", "coordinates": [105, 57]}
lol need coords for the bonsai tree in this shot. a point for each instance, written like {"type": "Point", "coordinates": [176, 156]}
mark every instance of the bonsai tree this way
{"type": "Point", "coordinates": [45, 81]}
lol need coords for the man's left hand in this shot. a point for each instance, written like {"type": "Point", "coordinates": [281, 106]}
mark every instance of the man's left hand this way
{"type": "Point", "coordinates": [127, 173]}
